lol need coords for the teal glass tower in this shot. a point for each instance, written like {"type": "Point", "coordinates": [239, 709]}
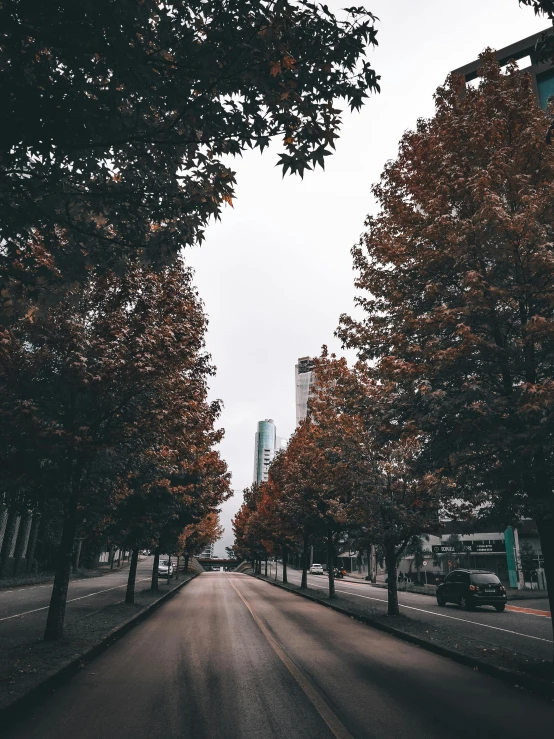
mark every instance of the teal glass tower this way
{"type": "Point", "coordinates": [266, 445]}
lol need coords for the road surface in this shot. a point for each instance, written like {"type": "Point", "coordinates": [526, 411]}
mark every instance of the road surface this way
{"type": "Point", "coordinates": [23, 610]}
{"type": "Point", "coordinates": [523, 632]}
{"type": "Point", "coordinates": [230, 656]}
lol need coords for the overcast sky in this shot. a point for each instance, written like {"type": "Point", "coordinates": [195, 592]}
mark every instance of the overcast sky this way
{"type": "Point", "coordinates": [276, 273]}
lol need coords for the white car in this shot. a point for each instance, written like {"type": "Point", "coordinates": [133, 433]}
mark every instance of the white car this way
{"type": "Point", "coordinates": [316, 570]}
{"type": "Point", "coordinates": [163, 568]}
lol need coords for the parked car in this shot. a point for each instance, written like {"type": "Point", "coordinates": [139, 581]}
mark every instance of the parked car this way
{"type": "Point", "coordinates": [164, 566]}
{"type": "Point", "coordinates": [471, 588]}
{"type": "Point", "coordinates": [316, 570]}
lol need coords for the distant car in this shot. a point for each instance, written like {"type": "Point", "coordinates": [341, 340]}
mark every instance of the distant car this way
{"type": "Point", "coordinates": [471, 588]}
{"type": "Point", "coordinates": [316, 570]}
{"type": "Point", "coordinates": [164, 566]}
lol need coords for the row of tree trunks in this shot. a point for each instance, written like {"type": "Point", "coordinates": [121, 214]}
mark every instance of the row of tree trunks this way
{"type": "Point", "coordinates": [21, 542]}
{"type": "Point", "coordinates": [154, 585]}
{"type": "Point", "coordinates": [130, 592]}
{"type": "Point", "coordinates": [305, 550]}
{"type": "Point", "coordinates": [392, 584]}
{"type": "Point", "coordinates": [56, 611]}
{"type": "Point", "coordinates": [7, 542]}
{"type": "Point", "coordinates": [331, 562]}
{"type": "Point", "coordinates": [33, 538]}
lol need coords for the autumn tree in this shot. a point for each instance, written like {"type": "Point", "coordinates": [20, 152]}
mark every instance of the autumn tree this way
{"type": "Point", "coordinates": [117, 119]}
{"type": "Point", "coordinates": [247, 527]}
{"type": "Point", "coordinates": [375, 485]}
{"type": "Point", "coordinates": [458, 295]}
{"type": "Point", "coordinates": [120, 359]}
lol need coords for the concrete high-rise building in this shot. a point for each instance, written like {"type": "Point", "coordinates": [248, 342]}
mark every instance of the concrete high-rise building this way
{"type": "Point", "coordinates": [267, 443]}
{"type": "Point", "coordinates": [304, 376]}
{"type": "Point", "coordinates": [537, 65]}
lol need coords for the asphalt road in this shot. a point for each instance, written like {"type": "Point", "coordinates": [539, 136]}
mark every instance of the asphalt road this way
{"type": "Point", "coordinates": [525, 633]}
{"type": "Point", "coordinates": [23, 610]}
{"type": "Point", "coordinates": [233, 657]}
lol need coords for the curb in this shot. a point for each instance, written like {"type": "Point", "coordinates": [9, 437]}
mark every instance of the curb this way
{"type": "Point", "coordinates": [55, 679]}
{"type": "Point", "coordinates": [517, 679]}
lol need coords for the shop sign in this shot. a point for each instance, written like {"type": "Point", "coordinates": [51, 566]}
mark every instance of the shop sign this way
{"type": "Point", "coordinates": [470, 547]}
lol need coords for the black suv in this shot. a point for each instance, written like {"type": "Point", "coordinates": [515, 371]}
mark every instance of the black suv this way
{"type": "Point", "coordinates": [470, 588]}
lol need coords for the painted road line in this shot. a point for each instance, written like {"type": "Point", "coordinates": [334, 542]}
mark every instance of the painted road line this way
{"type": "Point", "coordinates": [532, 611]}
{"type": "Point", "coordinates": [337, 728]}
{"type": "Point", "coordinates": [71, 600]}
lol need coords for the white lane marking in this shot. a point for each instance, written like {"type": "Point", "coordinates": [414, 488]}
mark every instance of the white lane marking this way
{"type": "Point", "coordinates": [71, 600]}
{"type": "Point", "coordinates": [335, 725]}
{"type": "Point", "coordinates": [442, 615]}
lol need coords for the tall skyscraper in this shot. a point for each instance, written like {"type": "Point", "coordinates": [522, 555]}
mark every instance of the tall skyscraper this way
{"type": "Point", "coordinates": [267, 443]}
{"type": "Point", "coordinates": [304, 376]}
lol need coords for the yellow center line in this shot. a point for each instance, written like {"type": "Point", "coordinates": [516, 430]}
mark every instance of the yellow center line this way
{"type": "Point", "coordinates": [335, 725]}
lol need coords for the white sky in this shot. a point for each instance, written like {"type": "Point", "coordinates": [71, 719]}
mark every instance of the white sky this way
{"type": "Point", "coordinates": [276, 273]}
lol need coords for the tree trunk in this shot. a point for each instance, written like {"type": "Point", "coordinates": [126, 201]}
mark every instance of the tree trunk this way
{"type": "Point", "coordinates": [545, 528]}
{"type": "Point", "coordinates": [266, 567]}
{"type": "Point", "coordinates": [305, 548]}
{"type": "Point", "coordinates": [21, 542]}
{"type": "Point", "coordinates": [285, 557]}
{"type": "Point", "coordinates": [77, 558]}
{"type": "Point", "coordinates": [392, 582]}
{"type": "Point", "coordinates": [186, 563]}
{"type": "Point", "coordinates": [177, 568]}
{"type": "Point", "coordinates": [154, 585]}
{"type": "Point", "coordinates": [373, 564]}
{"type": "Point", "coordinates": [7, 543]}
{"type": "Point", "coordinates": [33, 538]}
{"type": "Point", "coordinates": [130, 593]}
{"type": "Point", "coordinates": [56, 611]}
{"type": "Point", "coordinates": [111, 558]}
{"type": "Point", "coordinates": [119, 557]}
{"type": "Point", "coordinates": [331, 562]}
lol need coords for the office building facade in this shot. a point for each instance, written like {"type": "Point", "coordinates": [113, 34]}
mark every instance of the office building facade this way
{"type": "Point", "coordinates": [304, 381]}
{"type": "Point", "coordinates": [527, 53]}
{"type": "Point", "coordinates": [267, 443]}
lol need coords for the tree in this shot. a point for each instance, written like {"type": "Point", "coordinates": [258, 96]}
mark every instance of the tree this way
{"type": "Point", "coordinates": [528, 558]}
{"type": "Point", "coordinates": [118, 363]}
{"type": "Point", "coordinates": [458, 298]}
{"type": "Point", "coordinates": [124, 155]}
{"type": "Point", "coordinates": [375, 482]}
{"type": "Point", "coordinates": [416, 548]}
{"type": "Point", "coordinates": [545, 7]}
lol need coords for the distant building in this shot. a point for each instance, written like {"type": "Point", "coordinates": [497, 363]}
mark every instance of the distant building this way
{"type": "Point", "coordinates": [267, 443]}
{"type": "Point", "coordinates": [207, 552]}
{"type": "Point", "coordinates": [304, 376]}
{"type": "Point", "coordinates": [530, 60]}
